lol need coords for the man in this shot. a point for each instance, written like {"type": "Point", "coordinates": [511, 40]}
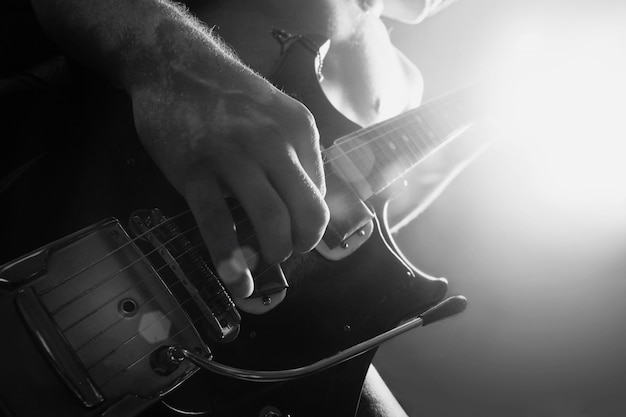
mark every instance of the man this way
{"type": "Point", "coordinates": [215, 126]}
{"type": "Point", "coordinates": [234, 131]}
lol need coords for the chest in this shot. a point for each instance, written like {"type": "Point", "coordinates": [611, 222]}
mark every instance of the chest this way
{"type": "Point", "coordinates": [367, 78]}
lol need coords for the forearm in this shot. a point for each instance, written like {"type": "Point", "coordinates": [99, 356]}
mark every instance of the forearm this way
{"type": "Point", "coordinates": [134, 42]}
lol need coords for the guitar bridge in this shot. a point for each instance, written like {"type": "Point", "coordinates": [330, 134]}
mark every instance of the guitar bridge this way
{"type": "Point", "coordinates": [98, 311]}
{"type": "Point", "coordinates": [186, 274]}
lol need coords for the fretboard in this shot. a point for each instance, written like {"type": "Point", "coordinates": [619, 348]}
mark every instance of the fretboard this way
{"type": "Point", "coordinates": [373, 158]}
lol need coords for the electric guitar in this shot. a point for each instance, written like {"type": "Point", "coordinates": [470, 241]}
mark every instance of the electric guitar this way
{"type": "Point", "coordinates": [89, 320]}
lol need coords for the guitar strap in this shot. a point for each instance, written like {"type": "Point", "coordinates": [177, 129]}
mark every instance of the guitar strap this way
{"type": "Point", "coordinates": [287, 40]}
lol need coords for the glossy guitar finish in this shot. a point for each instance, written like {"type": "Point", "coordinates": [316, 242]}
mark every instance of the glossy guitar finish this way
{"type": "Point", "coordinates": [331, 305]}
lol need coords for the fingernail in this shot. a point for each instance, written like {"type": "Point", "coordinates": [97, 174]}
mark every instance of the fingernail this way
{"type": "Point", "coordinates": [234, 268]}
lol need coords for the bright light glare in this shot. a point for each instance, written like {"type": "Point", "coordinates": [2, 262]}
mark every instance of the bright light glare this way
{"type": "Point", "coordinates": [564, 103]}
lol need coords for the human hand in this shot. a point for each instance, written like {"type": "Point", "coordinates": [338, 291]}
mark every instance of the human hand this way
{"type": "Point", "coordinates": [250, 141]}
{"type": "Point", "coordinates": [211, 124]}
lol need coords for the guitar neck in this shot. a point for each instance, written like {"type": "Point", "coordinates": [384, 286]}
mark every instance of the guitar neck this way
{"type": "Point", "coordinates": [373, 158]}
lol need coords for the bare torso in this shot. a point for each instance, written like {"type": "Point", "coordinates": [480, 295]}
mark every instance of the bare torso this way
{"type": "Point", "coordinates": [365, 76]}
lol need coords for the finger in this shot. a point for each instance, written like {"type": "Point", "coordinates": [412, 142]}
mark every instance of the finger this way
{"type": "Point", "coordinates": [266, 210]}
{"type": "Point", "coordinates": [307, 209]}
{"type": "Point", "coordinates": [217, 228]}
{"type": "Point", "coordinates": [310, 156]}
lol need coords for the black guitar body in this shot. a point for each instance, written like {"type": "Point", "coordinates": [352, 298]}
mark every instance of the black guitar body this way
{"type": "Point", "coordinates": [99, 170]}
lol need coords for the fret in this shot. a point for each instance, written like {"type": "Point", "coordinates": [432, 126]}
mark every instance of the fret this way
{"type": "Point", "coordinates": [412, 148]}
{"type": "Point", "coordinates": [360, 155]}
{"type": "Point", "coordinates": [420, 138]}
{"type": "Point", "coordinates": [400, 148]}
{"type": "Point", "coordinates": [447, 119]}
{"type": "Point", "coordinates": [370, 160]}
{"type": "Point", "coordinates": [412, 132]}
{"type": "Point", "coordinates": [343, 165]}
{"type": "Point", "coordinates": [384, 173]}
{"type": "Point", "coordinates": [392, 158]}
{"type": "Point", "coordinates": [388, 160]}
{"type": "Point", "coordinates": [375, 157]}
{"type": "Point", "coordinates": [435, 124]}
{"type": "Point", "coordinates": [395, 144]}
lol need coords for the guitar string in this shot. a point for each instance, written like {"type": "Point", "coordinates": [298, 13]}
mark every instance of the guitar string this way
{"type": "Point", "coordinates": [141, 258]}
{"type": "Point", "coordinates": [172, 339]}
{"type": "Point", "coordinates": [113, 252]}
{"type": "Point", "coordinates": [348, 151]}
{"type": "Point", "coordinates": [189, 299]}
{"type": "Point", "coordinates": [130, 339]}
{"type": "Point", "coordinates": [196, 246]}
{"type": "Point", "coordinates": [421, 137]}
{"type": "Point", "coordinates": [183, 302]}
{"type": "Point", "coordinates": [397, 123]}
{"type": "Point", "coordinates": [102, 332]}
{"type": "Point", "coordinates": [145, 355]}
{"type": "Point", "coordinates": [199, 244]}
{"type": "Point", "coordinates": [399, 120]}
{"type": "Point", "coordinates": [191, 322]}
{"type": "Point", "coordinates": [330, 173]}
{"type": "Point", "coordinates": [254, 254]}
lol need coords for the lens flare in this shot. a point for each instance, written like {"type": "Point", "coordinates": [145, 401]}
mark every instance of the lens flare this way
{"type": "Point", "coordinates": [564, 105]}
